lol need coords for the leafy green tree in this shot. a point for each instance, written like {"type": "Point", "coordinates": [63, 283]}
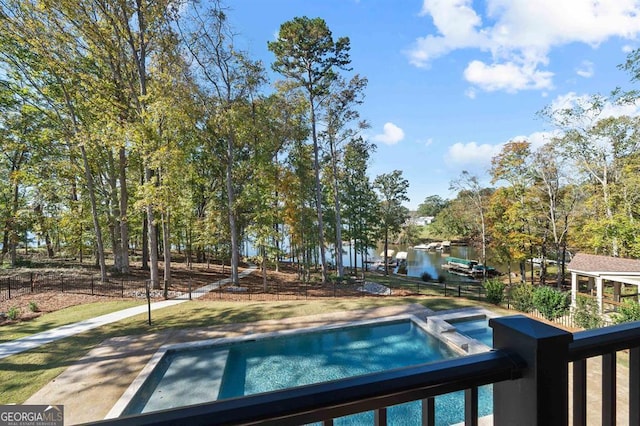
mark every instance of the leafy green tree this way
{"type": "Point", "coordinates": [558, 198]}
{"type": "Point", "coordinates": [432, 206]}
{"type": "Point", "coordinates": [392, 192]}
{"type": "Point", "coordinates": [521, 297]}
{"type": "Point", "coordinates": [339, 115]}
{"type": "Point", "coordinates": [494, 291]}
{"type": "Point", "coordinates": [627, 312]}
{"type": "Point", "coordinates": [550, 302]}
{"type": "Point", "coordinates": [586, 313]}
{"type": "Point", "coordinates": [598, 145]}
{"type": "Point", "coordinates": [308, 57]}
{"type": "Point", "coordinates": [230, 81]}
{"type": "Point", "coordinates": [511, 166]}
{"type": "Point", "coordinates": [360, 201]}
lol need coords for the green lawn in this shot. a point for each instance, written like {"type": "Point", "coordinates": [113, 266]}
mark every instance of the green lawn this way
{"type": "Point", "coordinates": [23, 374]}
{"type": "Point", "coordinates": [62, 317]}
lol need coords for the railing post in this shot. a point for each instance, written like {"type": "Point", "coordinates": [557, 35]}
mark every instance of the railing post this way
{"type": "Point", "coordinates": [541, 396]}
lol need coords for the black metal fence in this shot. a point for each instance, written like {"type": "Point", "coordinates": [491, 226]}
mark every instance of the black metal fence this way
{"type": "Point", "coordinates": [31, 283]}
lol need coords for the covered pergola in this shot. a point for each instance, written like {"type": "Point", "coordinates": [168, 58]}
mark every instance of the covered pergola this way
{"type": "Point", "coordinates": [600, 269]}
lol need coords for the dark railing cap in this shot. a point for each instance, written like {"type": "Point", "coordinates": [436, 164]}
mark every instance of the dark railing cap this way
{"type": "Point", "coordinates": [598, 341]}
{"type": "Point", "coordinates": [528, 327]}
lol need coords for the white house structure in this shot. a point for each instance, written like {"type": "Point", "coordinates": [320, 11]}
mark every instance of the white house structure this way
{"type": "Point", "coordinates": [602, 269]}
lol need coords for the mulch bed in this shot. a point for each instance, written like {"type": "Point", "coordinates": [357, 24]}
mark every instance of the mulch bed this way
{"type": "Point", "coordinates": [282, 285]}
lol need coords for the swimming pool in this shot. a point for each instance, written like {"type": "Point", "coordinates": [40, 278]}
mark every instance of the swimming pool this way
{"type": "Point", "coordinates": [206, 372]}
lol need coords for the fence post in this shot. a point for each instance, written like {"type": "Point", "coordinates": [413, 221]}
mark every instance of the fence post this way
{"type": "Point", "coordinates": [445, 289]}
{"type": "Point", "coordinates": [479, 293]}
{"type": "Point", "coordinates": [459, 292]}
{"type": "Point", "coordinates": [122, 281]}
{"type": "Point", "coordinates": [148, 284]}
{"type": "Point", "coordinates": [62, 283]}
{"type": "Point", "coordinates": [92, 286]}
{"type": "Point", "coordinates": [9, 286]}
{"type": "Point", "coordinates": [31, 281]}
{"type": "Point", "coordinates": [541, 395]}
{"type": "Point", "coordinates": [189, 288]}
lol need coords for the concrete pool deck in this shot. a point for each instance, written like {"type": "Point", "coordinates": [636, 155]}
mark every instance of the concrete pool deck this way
{"type": "Point", "coordinates": [89, 388]}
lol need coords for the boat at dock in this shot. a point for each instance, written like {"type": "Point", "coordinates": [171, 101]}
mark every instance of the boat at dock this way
{"type": "Point", "coordinates": [468, 267]}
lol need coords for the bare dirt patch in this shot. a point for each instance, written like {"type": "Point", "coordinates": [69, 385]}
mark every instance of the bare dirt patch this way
{"type": "Point", "coordinates": [45, 302]}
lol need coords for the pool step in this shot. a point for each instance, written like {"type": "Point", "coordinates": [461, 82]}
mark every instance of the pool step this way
{"type": "Point", "coordinates": [189, 380]}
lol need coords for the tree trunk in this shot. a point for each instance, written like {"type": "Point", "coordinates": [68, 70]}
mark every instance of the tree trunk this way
{"type": "Point", "coordinates": [124, 225]}
{"type": "Point", "coordinates": [316, 167]}
{"type": "Point", "coordinates": [167, 253]}
{"type": "Point", "coordinates": [336, 201]}
{"type": "Point", "coordinates": [94, 215]}
{"type": "Point", "coordinates": [152, 231]}
{"type": "Point", "coordinates": [232, 215]}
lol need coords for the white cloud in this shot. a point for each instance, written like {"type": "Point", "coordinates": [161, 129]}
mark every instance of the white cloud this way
{"type": "Point", "coordinates": [519, 35]}
{"type": "Point", "coordinates": [391, 134]}
{"type": "Point", "coordinates": [471, 155]}
{"type": "Point", "coordinates": [509, 77]}
{"type": "Point", "coordinates": [586, 69]}
{"type": "Point", "coordinates": [627, 48]}
{"type": "Point", "coordinates": [471, 93]}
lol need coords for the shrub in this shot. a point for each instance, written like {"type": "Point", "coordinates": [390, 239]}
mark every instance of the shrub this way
{"type": "Point", "coordinates": [13, 313]}
{"type": "Point", "coordinates": [522, 297]}
{"type": "Point", "coordinates": [586, 313]}
{"type": "Point", "coordinates": [402, 270]}
{"type": "Point", "coordinates": [426, 277]}
{"type": "Point", "coordinates": [33, 307]}
{"type": "Point", "coordinates": [441, 278]}
{"type": "Point", "coordinates": [495, 291]}
{"type": "Point", "coordinates": [628, 311]}
{"type": "Point", "coordinates": [551, 303]}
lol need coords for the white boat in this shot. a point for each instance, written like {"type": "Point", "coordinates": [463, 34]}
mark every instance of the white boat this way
{"type": "Point", "coordinates": [421, 247]}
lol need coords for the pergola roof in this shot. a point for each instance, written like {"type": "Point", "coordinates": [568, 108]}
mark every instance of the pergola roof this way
{"type": "Point", "coordinates": [606, 266]}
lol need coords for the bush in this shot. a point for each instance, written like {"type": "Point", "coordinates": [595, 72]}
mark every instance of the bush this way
{"type": "Point", "coordinates": [495, 291]}
{"type": "Point", "coordinates": [33, 307]}
{"type": "Point", "coordinates": [441, 278]}
{"type": "Point", "coordinates": [13, 313]}
{"type": "Point", "coordinates": [426, 277]}
{"type": "Point", "coordinates": [628, 311]}
{"type": "Point", "coordinates": [522, 297]}
{"type": "Point", "coordinates": [402, 270]}
{"type": "Point", "coordinates": [586, 313]}
{"type": "Point", "coordinates": [551, 303]}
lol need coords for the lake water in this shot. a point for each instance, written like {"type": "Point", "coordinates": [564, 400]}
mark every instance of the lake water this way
{"type": "Point", "coordinates": [431, 261]}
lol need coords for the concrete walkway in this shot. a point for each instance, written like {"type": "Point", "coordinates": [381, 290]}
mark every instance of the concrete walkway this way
{"type": "Point", "coordinates": [31, 342]}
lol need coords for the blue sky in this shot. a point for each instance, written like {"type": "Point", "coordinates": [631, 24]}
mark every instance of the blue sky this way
{"type": "Point", "coordinates": [451, 81]}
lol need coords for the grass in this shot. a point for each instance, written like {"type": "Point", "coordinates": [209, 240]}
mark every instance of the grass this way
{"type": "Point", "coordinates": [62, 317]}
{"type": "Point", "coordinates": [23, 374]}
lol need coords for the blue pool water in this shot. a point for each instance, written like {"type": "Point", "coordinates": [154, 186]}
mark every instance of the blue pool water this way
{"type": "Point", "coordinates": [223, 371]}
{"type": "Point", "coordinates": [476, 329]}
